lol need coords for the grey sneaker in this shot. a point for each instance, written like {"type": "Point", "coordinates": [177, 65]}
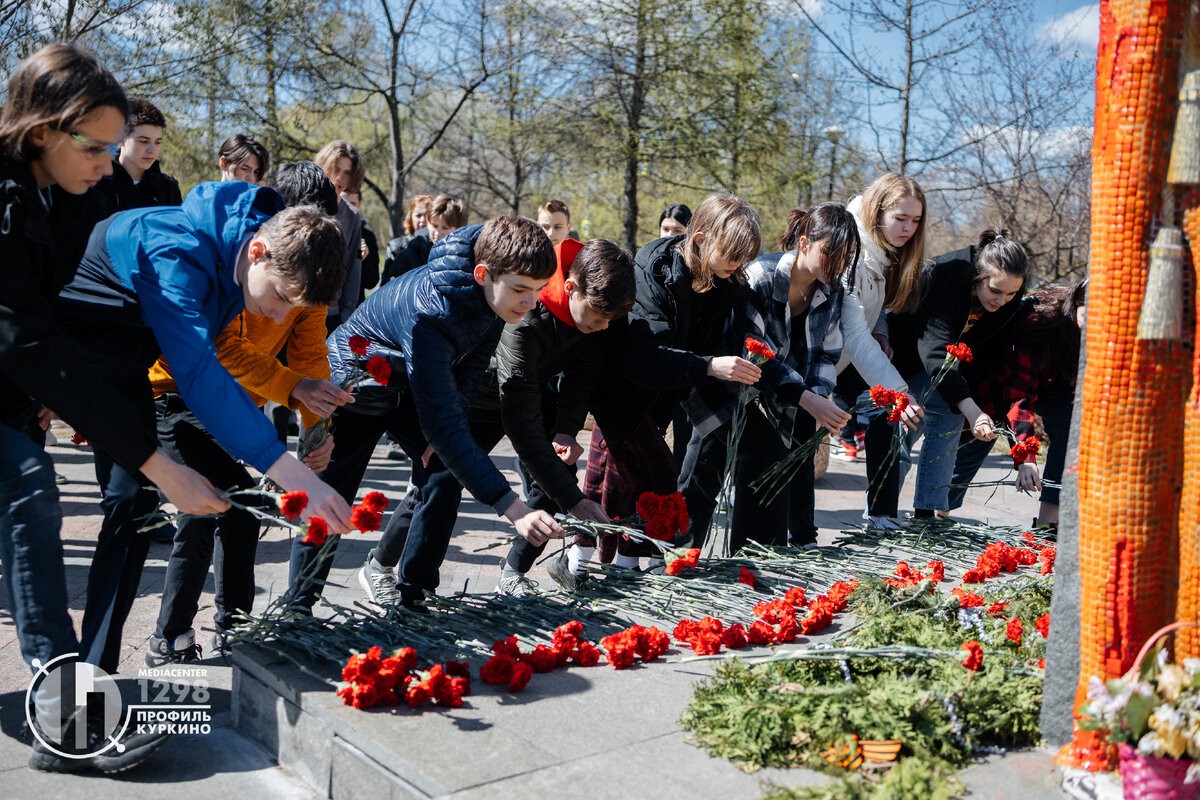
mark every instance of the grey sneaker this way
{"type": "Point", "coordinates": [183, 649]}
{"type": "Point", "coordinates": [379, 582]}
{"type": "Point", "coordinates": [220, 644]}
{"type": "Point", "coordinates": [559, 569]}
{"type": "Point", "coordinates": [515, 584]}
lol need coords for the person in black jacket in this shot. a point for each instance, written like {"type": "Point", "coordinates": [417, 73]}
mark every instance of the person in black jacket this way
{"type": "Point", "coordinates": [968, 296]}
{"type": "Point", "coordinates": [687, 288]}
{"type": "Point", "coordinates": [137, 180]}
{"type": "Point", "coordinates": [564, 334]}
{"type": "Point", "coordinates": [62, 118]}
{"type": "Point", "coordinates": [416, 222]}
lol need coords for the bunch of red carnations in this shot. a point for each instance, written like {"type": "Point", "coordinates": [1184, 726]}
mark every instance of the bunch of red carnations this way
{"type": "Point", "coordinates": [1025, 452]}
{"type": "Point", "coordinates": [365, 517]}
{"type": "Point", "coordinates": [907, 577]}
{"type": "Point", "coordinates": [1000, 557]}
{"type": "Point", "coordinates": [372, 680]}
{"type": "Point", "coordinates": [509, 666]}
{"type": "Point", "coordinates": [887, 397]}
{"type": "Point", "coordinates": [645, 643]}
{"type": "Point", "coordinates": [661, 516]}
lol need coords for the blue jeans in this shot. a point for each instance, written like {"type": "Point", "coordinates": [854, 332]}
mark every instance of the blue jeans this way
{"type": "Point", "coordinates": [941, 428]}
{"type": "Point", "coordinates": [31, 553]}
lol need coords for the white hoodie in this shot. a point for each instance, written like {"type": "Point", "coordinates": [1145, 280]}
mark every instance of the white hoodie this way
{"type": "Point", "coordinates": [862, 313]}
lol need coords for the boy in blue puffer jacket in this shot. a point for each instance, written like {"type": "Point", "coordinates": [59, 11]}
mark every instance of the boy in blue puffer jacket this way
{"type": "Point", "coordinates": [166, 281]}
{"type": "Point", "coordinates": [437, 326]}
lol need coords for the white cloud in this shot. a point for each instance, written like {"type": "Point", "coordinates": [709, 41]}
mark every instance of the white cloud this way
{"type": "Point", "coordinates": [791, 7]}
{"type": "Point", "coordinates": [1075, 30]}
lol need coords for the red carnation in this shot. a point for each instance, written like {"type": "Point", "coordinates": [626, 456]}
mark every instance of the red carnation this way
{"type": "Point", "coordinates": [746, 577]}
{"type": "Point", "coordinates": [376, 501]}
{"type": "Point", "coordinates": [760, 633]}
{"type": "Point", "coordinates": [659, 529]}
{"type": "Point", "coordinates": [380, 369]}
{"type": "Point", "coordinates": [706, 643]}
{"type": "Point", "coordinates": [882, 397]}
{"type": "Point", "coordinates": [359, 344]}
{"type": "Point", "coordinates": [648, 506]}
{"type": "Point", "coordinates": [960, 351]}
{"type": "Point", "coordinates": [498, 669]}
{"type": "Point", "coordinates": [364, 519]}
{"type": "Point", "coordinates": [1014, 630]}
{"type": "Point", "coordinates": [734, 637]}
{"type": "Point", "coordinates": [619, 650]}
{"type": "Point", "coordinates": [521, 674]}
{"type": "Point", "coordinates": [967, 599]}
{"type": "Point", "coordinates": [1047, 559]}
{"type": "Point", "coordinates": [795, 596]}
{"type": "Point", "coordinates": [293, 503]}
{"type": "Point", "coordinates": [974, 660]}
{"type": "Point", "coordinates": [997, 608]}
{"type": "Point", "coordinates": [77, 438]}
{"type": "Point", "coordinates": [507, 647]}
{"type": "Point", "coordinates": [756, 348]}
{"type": "Point", "coordinates": [315, 532]}
{"type": "Point", "coordinates": [541, 658]}
{"type": "Point", "coordinates": [1042, 624]}
{"type": "Point", "coordinates": [586, 655]}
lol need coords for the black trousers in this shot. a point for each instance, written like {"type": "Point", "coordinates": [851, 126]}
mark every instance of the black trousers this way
{"type": "Point", "coordinates": [228, 542]}
{"type": "Point", "coordinates": [769, 523]}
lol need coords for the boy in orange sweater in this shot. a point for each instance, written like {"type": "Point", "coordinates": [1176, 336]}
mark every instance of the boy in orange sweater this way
{"type": "Point", "coordinates": [247, 348]}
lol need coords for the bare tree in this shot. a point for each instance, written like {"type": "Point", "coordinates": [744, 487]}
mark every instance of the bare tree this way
{"type": "Point", "coordinates": [1028, 166]}
{"type": "Point", "coordinates": [932, 38]}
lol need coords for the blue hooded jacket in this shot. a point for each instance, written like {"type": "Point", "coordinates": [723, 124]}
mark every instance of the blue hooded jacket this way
{"type": "Point", "coordinates": [437, 330]}
{"type": "Point", "coordinates": [172, 269]}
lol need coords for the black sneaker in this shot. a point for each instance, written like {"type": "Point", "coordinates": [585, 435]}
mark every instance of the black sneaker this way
{"type": "Point", "coordinates": [183, 649]}
{"type": "Point", "coordinates": [129, 751]}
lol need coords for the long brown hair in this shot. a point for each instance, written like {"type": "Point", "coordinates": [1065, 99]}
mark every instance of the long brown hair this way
{"type": "Point", "coordinates": [58, 86]}
{"type": "Point", "coordinates": [903, 288]}
{"type": "Point", "coordinates": [731, 230]}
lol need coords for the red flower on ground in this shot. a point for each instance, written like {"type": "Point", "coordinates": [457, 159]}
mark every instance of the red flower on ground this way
{"type": "Point", "coordinates": [292, 504]}
{"type": "Point", "coordinates": [364, 519]}
{"type": "Point", "coordinates": [521, 674]}
{"type": "Point", "coordinates": [960, 351]}
{"type": "Point", "coordinates": [967, 599]}
{"type": "Point", "coordinates": [937, 571]}
{"type": "Point", "coordinates": [1047, 559]}
{"type": "Point", "coordinates": [359, 344]}
{"type": "Point", "coordinates": [997, 608]}
{"type": "Point", "coordinates": [619, 649]}
{"type": "Point", "coordinates": [315, 532]}
{"type": "Point", "coordinates": [1014, 630]}
{"type": "Point", "coordinates": [541, 658]}
{"type": "Point", "coordinates": [507, 647]}
{"type": "Point", "coordinates": [734, 637]}
{"type": "Point", "coordinates": [760, 633]}
{"type": "Point", "coordinates": [974, 660]}
{"type": "Point", "coordinates": [795, 596]}
{"type": "Point", "coordinates": [498, 669]}
{"type": "Point", "coordinates": [747, 577]}
{"type": "Point", "coordinates": [77, 438]}
{"type": "Point", "coordinates": [1042, 624]}
{"type": "Point", "coordinates": [376, 501]}
{"type": "Point", "coordinates": [586, 655]}
{"type": "Point", "coordinates": [380, 369]}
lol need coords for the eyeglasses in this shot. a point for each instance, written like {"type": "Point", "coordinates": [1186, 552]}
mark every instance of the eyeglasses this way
{"type": "Point", "coordinates": [93, 148]}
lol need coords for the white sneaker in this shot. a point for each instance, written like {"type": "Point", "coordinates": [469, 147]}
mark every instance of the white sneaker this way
{"type": "Point", "coordinates": [515, 584]}
{"type": "Point", "coordinates": [379, 582]}
{"type": "Point", "coordinates": [882, 524]}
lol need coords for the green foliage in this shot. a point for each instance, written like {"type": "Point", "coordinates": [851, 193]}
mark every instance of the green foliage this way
{"type": "Point", "coordinates": [787, 712]}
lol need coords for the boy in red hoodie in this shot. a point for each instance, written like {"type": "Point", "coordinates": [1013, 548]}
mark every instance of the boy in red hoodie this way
{"type": "Point", "coordinates": [592, 287]}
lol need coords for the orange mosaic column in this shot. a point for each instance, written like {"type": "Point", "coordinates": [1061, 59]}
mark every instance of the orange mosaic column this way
{"type": "Point", "coordinates": [1133, 386]}
{"type": "Point", "coordinates": [1187, 640]}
